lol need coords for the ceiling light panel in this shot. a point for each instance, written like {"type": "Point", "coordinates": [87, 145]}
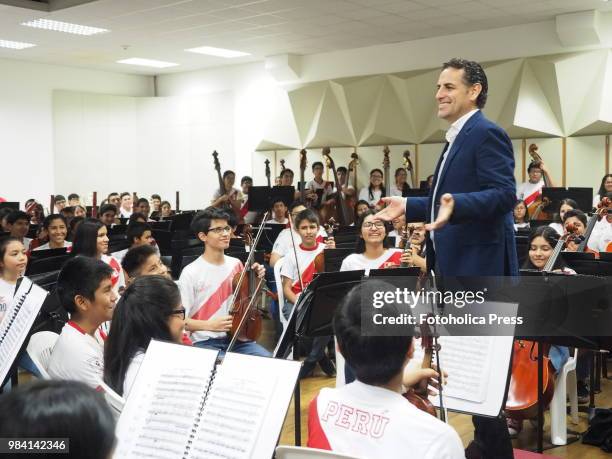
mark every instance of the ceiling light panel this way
{"type": "Point", "coordinates": [15, 44]}
{"type": "Point", "coordinates": [66, 27]}
{"type": "Point", "coordinates": [219, 52]}
{"type": "Point", "coordinates": [147, 62]}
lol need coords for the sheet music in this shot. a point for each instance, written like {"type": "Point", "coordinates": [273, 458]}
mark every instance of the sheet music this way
{"type": "Point", "coordinates": [477, 368]}
{"type": "Point", "coordinates": [165, 401]}
{"type": "Point", "coordinates": [245, 408]}
{"type": "Point", "coordinates": [18, 321]}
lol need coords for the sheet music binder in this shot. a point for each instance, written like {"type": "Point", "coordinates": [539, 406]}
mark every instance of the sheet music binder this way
{"type": "Point", "coordinates": [18, 321]}
{"type": "Point", "coordinates": [184, 405]}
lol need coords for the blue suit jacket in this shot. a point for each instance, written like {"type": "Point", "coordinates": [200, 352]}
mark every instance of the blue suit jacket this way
{"type": "Point", "coordinates": [479, 173]}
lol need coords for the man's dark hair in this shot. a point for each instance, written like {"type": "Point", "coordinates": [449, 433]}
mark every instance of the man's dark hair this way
{"type": "Point", "coordinates": [228, 172]}
{"type": "Point", "coordinates": [580, 215]}
{"type": "Point", "coordinates": [246, 178]}
{"type": "Point", "coordinates": [58, 197]}
{"type": "Point", "coordinates": [142, 200]}
{"type": "Point", "coordinates": [374, 359]}
{"type": "Point", "coordinates": [317, 163]}
{"type": "Point", "coordinates": [307, 214]}
{"type": "Point", "coordinates": [136, 230]}
{"type": "Point", "coordinates": [473, 73]}
{"type": "Point", "coordinates": [156, 196]}
{"type": "Point", "coordinates": [73, 196]}
{"type": "Point", "coordinates": [276, 199]}
{"type": "Point", "coordinates": [108, 208]}
{"type": "Point", "coordinates": [80, 276]}
{"type": "Point", "coordinates": [125, 193]}
{"type": "Point", "coordinates": [17, 215]}
{"type": "Point", "coordinates": [533, 165]}
{"type": "Point", "coordinates": [135, 257]}
{"type": "Point", "coordinates": [114, 193]}
{"type": "Point", "coordinates": [202, 220]}
{"type": "Point", "coordinates": [296, 203]}
{"type": "Point", "coordinates": [287, 171]}
{"type": "Point", "coordinates": [342, 169]}
{"type": "Point", "coordinates": [60, 409]}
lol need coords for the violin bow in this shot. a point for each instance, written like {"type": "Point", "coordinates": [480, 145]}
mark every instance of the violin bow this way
{"type": "Point", "coordinates": [443, 411]}
{"type": "Point", "coordinates": [295, 251]}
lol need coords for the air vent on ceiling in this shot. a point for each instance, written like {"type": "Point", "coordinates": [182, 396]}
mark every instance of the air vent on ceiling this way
{"type": "Point", "coordinates": [45, 5]}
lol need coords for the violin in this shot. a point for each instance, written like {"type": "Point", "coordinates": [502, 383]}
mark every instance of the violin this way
{"type": "Point", "coordinates": [247, 317]}
{"type": "Point", "coordinates": [405, 244]}
{"type": "Point", "coordinates": [418, 395]}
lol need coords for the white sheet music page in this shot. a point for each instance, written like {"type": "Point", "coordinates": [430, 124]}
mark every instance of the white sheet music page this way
{"type": "Point", "coordinates": [165, 402]}
{"type": "Point", "coordinates": [18, 321]}
{"type": "Point", "coordinates": [246, 407]}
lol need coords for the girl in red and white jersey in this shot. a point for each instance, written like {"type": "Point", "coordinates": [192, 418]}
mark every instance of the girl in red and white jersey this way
{"type": "Point", "coordinates": [372, 251]}
{"type": "Point", "coordinates": [91, 240]}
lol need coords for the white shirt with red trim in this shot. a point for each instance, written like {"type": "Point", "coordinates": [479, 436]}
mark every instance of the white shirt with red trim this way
{"type": "Point", "coordinates": [283, 245]}
{"type": "Point", "coordinates": [306, 260]}
{"type": "Point", "coordinates": [78, 356]}
{"type": "Point", "coordinates": [7, 293]}
{"type": "Point", "coordinates": [373, 422]}
{"type": "Point", "coordinates": [356, 261]}
{"type": "Point", "coordinates": [117, 278]}
{"type": "Point", "coordinates": [67, 245]}
{"type": "Point", "coordinates": [529, 192]}
{"type": "Point", "coordinates": [206, 292]}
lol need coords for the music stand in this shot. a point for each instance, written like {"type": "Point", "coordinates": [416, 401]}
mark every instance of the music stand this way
{"type": "Point", "coordinates": [582, 196]}
{"type": "Point", "coordinates": [47, 253]}
{"type": "Point", "coordinates": [13, 205]}
{"type": "Point", "coordinates": [268, 236]}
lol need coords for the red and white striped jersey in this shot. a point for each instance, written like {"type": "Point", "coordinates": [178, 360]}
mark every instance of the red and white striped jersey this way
{"type": "Point", "coordinates": [306, 260]}
{"type": "Point", "coordinates": [356, 261]}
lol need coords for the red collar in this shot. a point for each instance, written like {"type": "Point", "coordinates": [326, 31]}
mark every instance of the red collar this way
{"type": "Point", "coordinates": [309, 249]}
{"type": "Point", "coordinates": [76, 327]}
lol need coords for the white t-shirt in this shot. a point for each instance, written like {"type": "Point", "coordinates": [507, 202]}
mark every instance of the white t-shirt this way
{"type": "Point", "coordinates": [521, 225]}
{"type": "Point", "coordinates": [373, 422]}
{"type": "Point", "coordinates": [7, 292]}
{"type": "Point", "coordinates": [529, 192]}
{"type": "Point", "coordinates": [601, 236]}
{"type": "Point", "coordinates": [132, 371]}
{"type": "Point", "coordinates": [283, 246]}
{"type": "Point", "coordinates": [357, 261]}
{"type": "Point", "coordinates": [558, 227]}
{"type": "Point", "coordinates": [306, 260]}
{"type": "Point", "coordinates": [125, 213]}
{"type": "Point", "coordinates": [284, 221]}
{"type": "Point", "coordinates": [364, 194]}
{"type": "Point", "coordinates": [67, 244]}
{"type": "Point", "coordinates": [78, 356]}
{"type": "Point", "coordinates": [206, 292]}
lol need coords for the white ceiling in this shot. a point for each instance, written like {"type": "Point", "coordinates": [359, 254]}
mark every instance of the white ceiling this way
{"type": "Point", "coordinates": [162, 29]}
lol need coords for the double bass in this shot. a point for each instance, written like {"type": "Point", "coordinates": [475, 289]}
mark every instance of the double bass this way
{"type": "Point", "coordinates": [409, 168]}
{"type": "Point", "coordinates": [540, 208]}
{"type": "Point", "coordinates": [386, 167]}
{"type": "Point", "coordinates": [339, 209]}
{"type": "Point", "coordinates": [267, 163]}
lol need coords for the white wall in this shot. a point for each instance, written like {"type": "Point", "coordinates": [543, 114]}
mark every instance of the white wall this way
{"type": "Point", "coordinates": [142, 144]}
{"type": "Point", "coordinates": [26, 122]}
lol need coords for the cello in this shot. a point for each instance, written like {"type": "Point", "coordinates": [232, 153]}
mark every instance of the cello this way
{"type": "Point", "coordinates": [409, 168]}
{"type": "Point", "coordinates": [418, 395]}
{"type": "Point", "coordinates": [386, 166]}
{"type": "Point", "coordinates": [522, 400]}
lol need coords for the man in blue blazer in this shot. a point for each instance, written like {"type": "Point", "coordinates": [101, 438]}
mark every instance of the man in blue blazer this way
{"type": "Point", "coordinates": [469, 207]}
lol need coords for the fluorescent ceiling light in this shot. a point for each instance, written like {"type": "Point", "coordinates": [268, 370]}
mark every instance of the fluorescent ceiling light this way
{"type": "Point", "coordinates": [219, 52]}
{"type": "Point", "coordinates": [147, 62]}
{"type": "Point", "coordinates": [66, 27]}
{"type": "Point", "coordinates": [15, 44]}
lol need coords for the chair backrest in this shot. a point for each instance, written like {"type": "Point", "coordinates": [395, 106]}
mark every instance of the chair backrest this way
{"type": "Point", "coordinates": [279, 290]}
{"type": "Point", "coordinates": [295, 452]}
{"type": "Point", "coordinates": [115, 401]}
{"type": "Point", "coordinates": [39, 349]}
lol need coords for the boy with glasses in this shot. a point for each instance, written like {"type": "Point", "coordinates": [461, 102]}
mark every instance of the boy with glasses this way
{"type": "Point", "coordinates": [206, 286]}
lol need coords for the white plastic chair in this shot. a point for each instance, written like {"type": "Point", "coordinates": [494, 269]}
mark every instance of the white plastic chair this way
{"type": "Point", "coordinates": [295, 452]}
{"type": "Point", "coordinates": [39, 350]}
{"type": "Point", "coordinates": [564, 384]}
{"type": "Point", "coordinates": [340, 377]}
{"type": "Point", "coordinates": [279, 290]}
{"type": "Point", "coordinates": [115, 401]}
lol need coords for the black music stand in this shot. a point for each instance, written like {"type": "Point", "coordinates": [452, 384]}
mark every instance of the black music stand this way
{"type": "Point", "coordinates": [582, 196]}
{"type": "Point", "coordinates": [312, 316]}
{"type": "Point", "coordinates": [333, 258]}
{"type": "Point", "coordinates": [47, 253]}
{"type": "Point", "coordinates": [13, 205]}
